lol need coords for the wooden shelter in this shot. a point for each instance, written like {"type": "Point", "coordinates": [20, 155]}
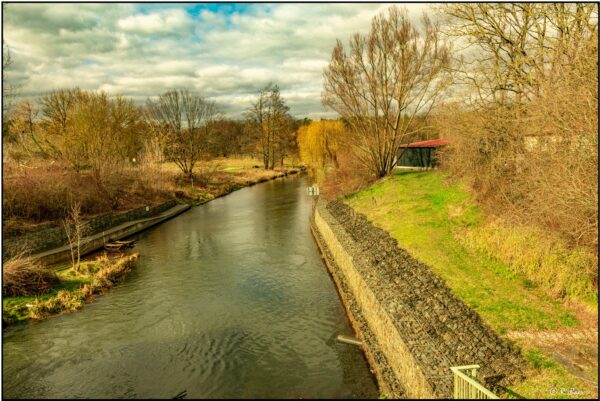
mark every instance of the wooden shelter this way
{"type": "Point", "coordinates": [420, 155]}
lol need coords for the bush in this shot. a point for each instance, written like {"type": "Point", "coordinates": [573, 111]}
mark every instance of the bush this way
{"type": "Point", "coordinates": [205, 172]}
{"type": "Point", "coordinates": [350, 176]}
{"type": "Point", "coordinates": [37, 194]}
{"type": "Point", "coordinates": [22, 276]}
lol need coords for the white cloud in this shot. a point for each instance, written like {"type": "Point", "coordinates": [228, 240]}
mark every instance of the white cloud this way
{"type": "Point", "coordinates": [123, 49]}
{"type": "Point", "coordinates": [165, 21]}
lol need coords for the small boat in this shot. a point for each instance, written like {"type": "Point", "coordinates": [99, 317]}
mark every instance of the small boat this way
{"type": "Point", "coordinates": [117, 246]}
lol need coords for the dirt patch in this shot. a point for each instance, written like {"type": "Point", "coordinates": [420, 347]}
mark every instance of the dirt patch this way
{"type": "Point", "coordinates": [575, 349]}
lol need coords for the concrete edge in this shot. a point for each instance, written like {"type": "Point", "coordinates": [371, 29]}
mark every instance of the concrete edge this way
{"type": "Point", "coordinates": [98, 240]}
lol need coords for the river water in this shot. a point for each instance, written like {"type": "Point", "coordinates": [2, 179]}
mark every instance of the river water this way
{"type": "Point", "coordinates": [229, 299]}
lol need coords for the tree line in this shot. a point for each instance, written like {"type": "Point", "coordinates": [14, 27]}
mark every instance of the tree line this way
{"type": "Point", "coordinates": [89, 130]}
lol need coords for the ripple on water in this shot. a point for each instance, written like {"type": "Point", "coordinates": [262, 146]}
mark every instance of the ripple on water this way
{"type": "Point", "coordinates": [228, 300]}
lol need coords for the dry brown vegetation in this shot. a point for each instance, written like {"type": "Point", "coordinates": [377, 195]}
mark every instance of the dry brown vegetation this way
{"type": "Point", "coordinates": [526, 135]}
{"type": "Point", "coordinates": [41, 192]}
{"type": "Point", "coordinates": [23, 276]}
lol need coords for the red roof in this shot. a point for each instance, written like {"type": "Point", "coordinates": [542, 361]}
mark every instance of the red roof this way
{"type": "Point", "coordinates": [426, 144]}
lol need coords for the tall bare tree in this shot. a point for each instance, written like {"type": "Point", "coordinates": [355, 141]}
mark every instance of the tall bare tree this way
{"type": "Point", "coordinates": [525, 135]}
{"type": "Point", "coordinates": [269, 121]}
{"type": "Point", "coordinates": [383, 81]}
{"type": "Point", "coordinates": [186, 119]}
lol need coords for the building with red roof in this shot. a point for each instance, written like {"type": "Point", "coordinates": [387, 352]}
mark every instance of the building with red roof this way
{"type": "Point", "coordinates": [419, 155]}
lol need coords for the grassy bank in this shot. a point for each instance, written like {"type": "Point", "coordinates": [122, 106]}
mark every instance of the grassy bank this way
{"type": "Point", "coordinates": [72, 291]}
{"type": "Point", "coordinates": [439, 224]}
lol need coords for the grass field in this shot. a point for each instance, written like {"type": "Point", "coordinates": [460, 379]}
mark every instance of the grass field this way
{"type": "Point", "coordinates": [430, 218]}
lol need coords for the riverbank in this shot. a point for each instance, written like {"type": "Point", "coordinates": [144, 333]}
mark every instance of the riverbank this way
{"type": "Point", "coordinates": [72, 290]}
{"type": "Point", "coordinates": [37, 194]}
{"type": "Point", "coordinates": [388, 383]}
{"type": "Point", "coordinates": [164, 188]}
{"type": "Point", "coordinates": [412, 317]}
{"type": "Point", "coordinates": [75, 289]}
{"type": "Point", "coordinates": [234, 175]}
{"type": "Point", "coordinates": [439, 225]}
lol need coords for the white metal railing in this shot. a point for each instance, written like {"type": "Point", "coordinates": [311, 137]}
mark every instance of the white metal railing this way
{"type": "Point", "coordinates": [466, 385]}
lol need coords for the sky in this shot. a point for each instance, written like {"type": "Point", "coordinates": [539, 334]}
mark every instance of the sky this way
{"type": "Point", "coordinates": [226, 52]}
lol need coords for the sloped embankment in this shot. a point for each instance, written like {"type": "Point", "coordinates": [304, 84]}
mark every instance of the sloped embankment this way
{"type": "Point", "coordinates": [420, 326]}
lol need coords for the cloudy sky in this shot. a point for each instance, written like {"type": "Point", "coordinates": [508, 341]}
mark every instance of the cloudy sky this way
{"type": "Point", "coordinates": [225, 51]}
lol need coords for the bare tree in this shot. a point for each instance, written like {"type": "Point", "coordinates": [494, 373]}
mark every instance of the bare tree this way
{"type": "Point", "coordinates": [75, 229]}
{"type": "Point", "coordinates": [186, 119]}
{"type": "Point", "coordinates": [387, 77]}
{"type": "Point", "coordinates": [509, 46]}
{"type": "Point", "coordinates": [9, 90]}
{"type": "Point", "coordinates": [269, 121]}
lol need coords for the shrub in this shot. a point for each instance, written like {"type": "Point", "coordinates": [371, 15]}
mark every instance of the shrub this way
{"type": "Point", "coordinates": [22, 276]}
{"type": "Point", "coordinates": [350, 176]}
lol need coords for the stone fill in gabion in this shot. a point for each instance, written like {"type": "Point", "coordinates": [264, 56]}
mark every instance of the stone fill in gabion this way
{"type": "Point", "coordinates": [439, 329]}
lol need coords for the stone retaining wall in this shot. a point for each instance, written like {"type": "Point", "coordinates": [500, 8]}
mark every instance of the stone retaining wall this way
{"type": "Point", "coordinates": [48, 237]}
{"type": "Point", "coordinates": [421, 327]}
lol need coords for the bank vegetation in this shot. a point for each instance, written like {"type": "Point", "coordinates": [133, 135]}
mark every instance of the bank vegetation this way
{"type": "Point", "coordinates": [31, 291]}
{"type": "Point", "coordinates": [514, 89]}
{"type": "Point", "coordinates": [105, 153]}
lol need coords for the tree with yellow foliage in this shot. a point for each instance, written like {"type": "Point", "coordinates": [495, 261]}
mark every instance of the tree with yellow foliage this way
{"type": "Point", "coordinates": [320, 141]}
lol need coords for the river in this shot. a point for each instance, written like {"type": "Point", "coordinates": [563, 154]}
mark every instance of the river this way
{"type": "Point", "coordinates": [229, 300]}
